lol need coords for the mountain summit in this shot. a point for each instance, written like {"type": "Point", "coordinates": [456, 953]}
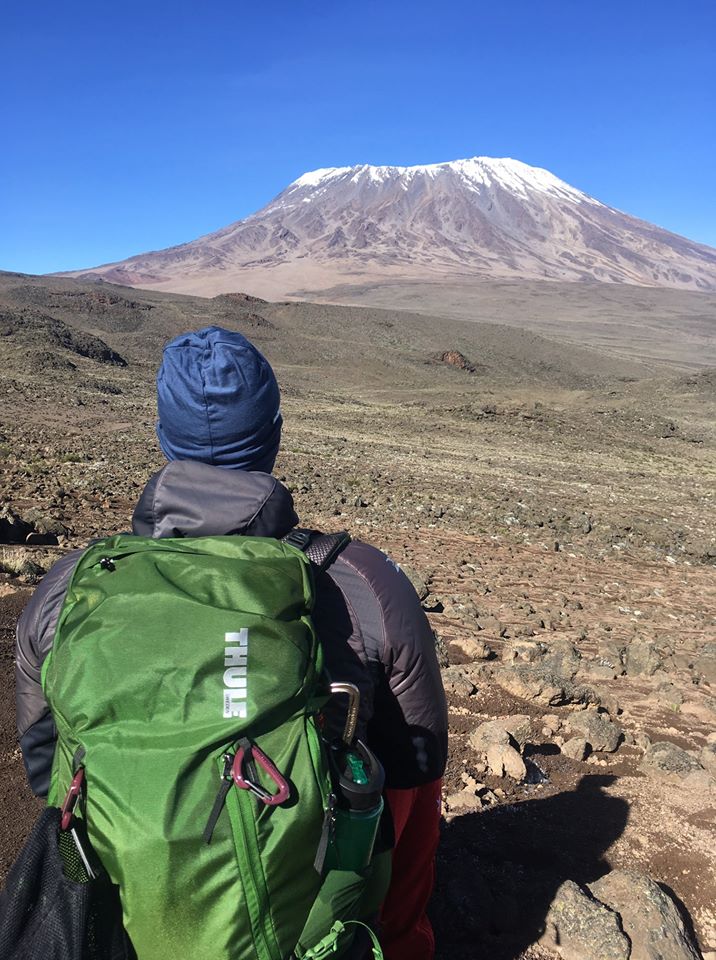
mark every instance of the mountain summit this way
{"type": "Point", "coordinates": [462, 220]}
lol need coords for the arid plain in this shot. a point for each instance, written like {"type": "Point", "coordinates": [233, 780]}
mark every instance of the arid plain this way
{"type": "Point", "coordinates": [554, 505]}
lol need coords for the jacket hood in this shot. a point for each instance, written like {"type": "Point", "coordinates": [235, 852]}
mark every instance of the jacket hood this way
{"type": "Point", "coordinates": [191, 499]}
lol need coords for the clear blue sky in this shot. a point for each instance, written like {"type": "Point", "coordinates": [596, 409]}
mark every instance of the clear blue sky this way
{"type": "Point", "coordinates": [132, 126]}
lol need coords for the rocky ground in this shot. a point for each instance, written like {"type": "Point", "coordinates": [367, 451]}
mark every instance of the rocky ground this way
{"type": "Point", "coordinates": [555, 512]}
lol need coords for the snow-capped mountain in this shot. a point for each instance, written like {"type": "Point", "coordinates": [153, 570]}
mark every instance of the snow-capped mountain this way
{"type": "Point", "coordinates": [477, 218]}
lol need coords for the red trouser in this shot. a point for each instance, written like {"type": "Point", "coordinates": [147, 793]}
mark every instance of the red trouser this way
{"type": "Point", "coordinates": [406, 933]}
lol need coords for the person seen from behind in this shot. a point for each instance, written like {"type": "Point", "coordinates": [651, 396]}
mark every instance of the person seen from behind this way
{"type": "Point", "coordinates": [220, 428]}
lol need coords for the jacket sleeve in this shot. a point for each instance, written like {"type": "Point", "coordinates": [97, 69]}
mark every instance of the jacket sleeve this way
{"type": "Point", "coordinates": [34, 637]}
{"type": "Point", "coordinates": [408, 727]}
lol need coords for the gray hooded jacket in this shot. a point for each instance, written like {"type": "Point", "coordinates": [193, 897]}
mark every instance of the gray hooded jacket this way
{"type": "Point", "coordinates": [369, 619]}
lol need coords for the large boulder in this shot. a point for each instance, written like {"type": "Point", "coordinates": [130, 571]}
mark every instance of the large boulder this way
{"type": "Point", "coordinates": [598, 730]}
{"type": "Point", "coordinates": [642, 658]}
{"type": "Point", "coordinates": [535, 683]}
{"type": "Point", "coordinates": [649, 916]}
{"type": "Point", "coordinates": [515, 729]}
{"type": "Point", "coordinates": [583, 928]}
{"type": "Point", "coordinates": [666, 760]}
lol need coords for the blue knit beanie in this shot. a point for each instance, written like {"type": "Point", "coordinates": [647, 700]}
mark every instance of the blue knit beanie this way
{"type": "Point", "coordinates": [218, 402]}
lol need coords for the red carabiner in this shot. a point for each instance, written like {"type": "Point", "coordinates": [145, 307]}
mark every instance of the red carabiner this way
{"type": "Point", "coordinates": [71, 799]}
{"type": "Point", "coordinates": [249, 751]}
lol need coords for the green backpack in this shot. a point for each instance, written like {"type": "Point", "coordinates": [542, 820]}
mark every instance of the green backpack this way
{"type": "Point", "coordinates": [186, 685]}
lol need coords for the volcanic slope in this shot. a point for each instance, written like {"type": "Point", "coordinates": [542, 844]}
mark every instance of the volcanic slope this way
{"type": "Point", "coordinates": [339, 347]}
{"type": "Point", "coordinates": [481, 218]}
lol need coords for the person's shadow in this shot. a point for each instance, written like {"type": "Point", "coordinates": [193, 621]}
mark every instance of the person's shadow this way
{"type": "Point", "coordinates": [498, 870]}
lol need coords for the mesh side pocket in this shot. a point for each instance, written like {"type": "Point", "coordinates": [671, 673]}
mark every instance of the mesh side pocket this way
{"type": "Point", "coordinates": [74, 868]}
{"type": "Point", "coordinates": [51, 910]}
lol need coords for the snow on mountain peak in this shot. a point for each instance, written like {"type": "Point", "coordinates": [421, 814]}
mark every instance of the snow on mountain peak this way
{"type": "Point", "coordinates": [476, 173]}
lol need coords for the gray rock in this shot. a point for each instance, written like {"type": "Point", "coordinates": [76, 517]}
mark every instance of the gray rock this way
{"type": "Point", "coordinates": [519, 726]}
{"type": "Point", "coordinates": [598, 669]}
{"type": "Point", "coordinates": [612, 652]}
{"type": "Point", "coordinates": [411, 573]}
{"type": "Point", "coordinates": [705, 663]}
{"type": "Point", "coordinates": [583, 928]}
{"type": "Point", "coordinates": [489, 734]}
{"type": "Point", "coordinates": [473, 648]}
{"type": "Point", "coordinates": [552, 723]}
{"type": "Point", "coordinates": [515, 730]}
{"type": "Point", "coordinates": [441, 651]}
{"type": "Point", "coordinates": [670, 696]}
{"type": "Point", "coordinates": [666, 760]}
{"type": "Point", "coordinates": [558, 657]}
{"type": "Point", "coordinates": [576, 749]}
{"type": "Point", "coordinates": [708, 758]}
{"type": "Point", "coordinates": [464, 800]}
{"type": "Point", "coordinates": [562, 658]}
{"type": "Point", "coordinates": [642, 658]}
{"type": "Point", "coordinates": [48, 525]}
{"type": "Point", "coordinates": [597, 729]}
{"type": "Point", "coordinates": [541, 685]}
{"type": "Point", "coordinates": [504, 761]}
{"type": "Point", "coordinates": [456, 680]}
{"type": "Point", "coordinates": [492, 625]}
{"type": "Point", "coordinates": [649, 917]}
{"type": "Point", "coordinates": [642, 740]}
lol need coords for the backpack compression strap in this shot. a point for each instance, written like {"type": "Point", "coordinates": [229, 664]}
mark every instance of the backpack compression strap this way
{"type": "Point", "coordinates": [320, 548]}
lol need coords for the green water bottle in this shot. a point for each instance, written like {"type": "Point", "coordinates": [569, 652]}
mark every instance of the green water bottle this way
{"type": "Point", "coordinates": [357, 808]}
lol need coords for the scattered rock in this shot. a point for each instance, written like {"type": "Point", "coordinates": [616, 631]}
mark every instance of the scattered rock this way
{"type": "Point", "coordinates": [582, 928]}
{"type": "Point", "coordinates": [649, 917]}
{"type": "Point", "coordinates": [13, 529]}
{"type": "Point", "coordinates": [453, 358]}
{"type": "Point", "coordinates": [664, 759]}
{"type": "Point", "coordinates": [613, 653]}
{"type": "Point", "coordinates": [576, 749]}
{"type": "Point", "coordinates": [31, 572]}
{"type": "Point", "coordinates": [705, 663]}
{"type": "Point", "coordinates": [538, 684]}
{"type": "Point", "coordinates": [670, 696]}
{"type": "Point", "coordinates": [412, 574]}
{"type": "Point", "coordinates": [504, 761]}
{"type": "Point", "coordinates": [600, 732]}
{"type": "Point", "coordinates": [441, 651]}
{"type": "Point", "coordinates": [552, 723]}
{"type": "Point", "coordinates": [514, 730]}
{"type": "Point", "coordinates": [489, 734]}
{"type": "Point", "coordinates": [708, 758]}
{"type": "Point", "coordinates": [642, 658]}
{"type": "Point", "coordinates": [472, 647]}
{"type": "Point", "coordinates": [457, 681]}
{"type": "Point", "coordinates": [642, 741]}
{"type": "Point", "coordinates": [558, 657]}
{"type": "Point", "coordinates": [491, 625]}
{"type": "Point", "coordinates": [465, 800]}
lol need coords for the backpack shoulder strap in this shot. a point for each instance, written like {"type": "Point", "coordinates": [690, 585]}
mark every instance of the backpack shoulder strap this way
{"type": "Point", "coordinates": [320, 548]}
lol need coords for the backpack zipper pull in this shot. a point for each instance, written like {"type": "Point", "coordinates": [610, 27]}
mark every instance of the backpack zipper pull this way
{"type": "Point", "coordinates": [226, 784]}
{"type": "Point", "coordinates": [327, 831]}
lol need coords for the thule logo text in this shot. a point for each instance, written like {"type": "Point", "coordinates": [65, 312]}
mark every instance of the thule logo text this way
{"type": "Point", "coordinates": [236, 654]}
